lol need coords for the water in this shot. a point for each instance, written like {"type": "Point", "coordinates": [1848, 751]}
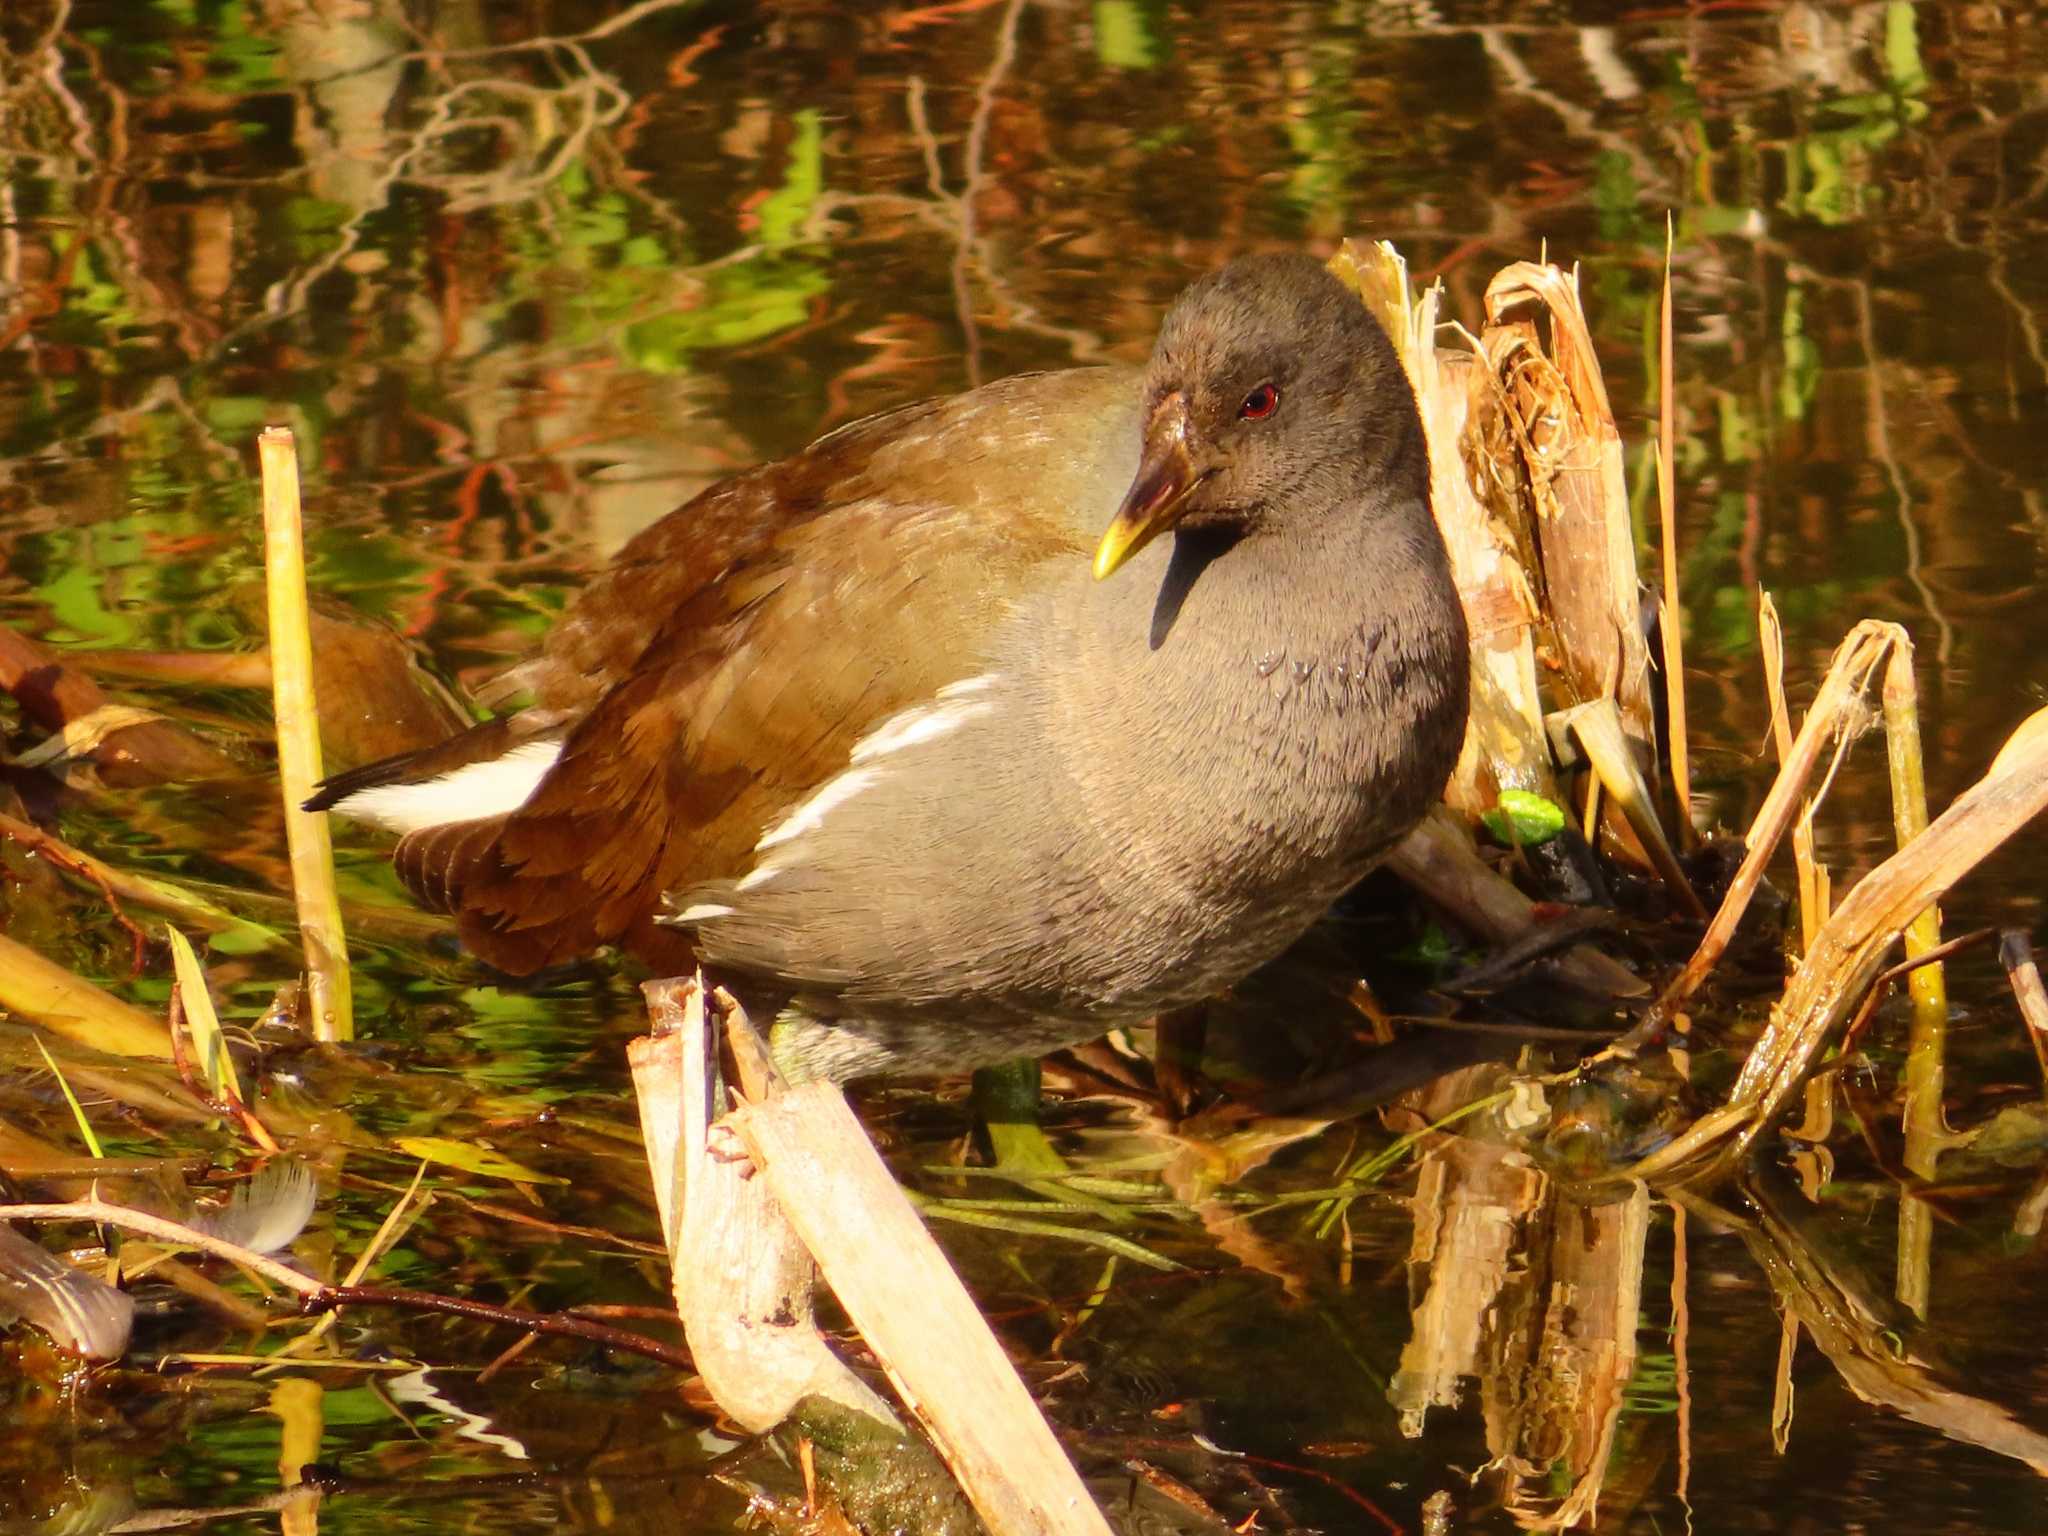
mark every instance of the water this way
{"type": "Point", "coordinates": [519, 299]}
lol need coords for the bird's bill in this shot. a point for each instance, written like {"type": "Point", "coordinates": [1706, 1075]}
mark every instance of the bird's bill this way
{"type": "Point", "coordinates": [1168, 473]}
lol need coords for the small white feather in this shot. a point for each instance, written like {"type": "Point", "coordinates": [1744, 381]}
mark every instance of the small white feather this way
{"type": "Point", "coordinates": [913, 726]}
{"type": "Point", "coordinates": [703, 911]}
{"type": "Point", "coordinates": [967, 685]}
{"type": "Point", "coordinates": [759, 877]}
{"type": "Point", "coordinates": [809, 816]}
{"type": "Point", "coordinates": [469, 793]}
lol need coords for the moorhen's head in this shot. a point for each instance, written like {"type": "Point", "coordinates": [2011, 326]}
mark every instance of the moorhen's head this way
{"type": "Point", "coordinates": [1271, 392]}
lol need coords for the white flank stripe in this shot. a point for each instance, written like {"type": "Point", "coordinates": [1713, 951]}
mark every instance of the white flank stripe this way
{"type": "Point", "coordinates": [701, 912]}
{"type": "Point", "coordinates": [759, 877]}
{"type": "Point", "coordinates": [809, 816]}
{"type": "Point", "coordinates": [967, 685]}
{"type": "Point", "coordinates": [479, 789]}
{"type": "Point", "coordinates": [913, 726]}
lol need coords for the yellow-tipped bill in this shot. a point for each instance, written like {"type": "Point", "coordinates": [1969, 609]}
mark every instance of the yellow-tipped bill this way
{"type": "Point", "coordinates": [1167, 475]}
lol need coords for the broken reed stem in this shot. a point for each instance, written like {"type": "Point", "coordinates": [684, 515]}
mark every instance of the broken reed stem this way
{"type": "Point", "coordinates": [1599, 730]}
{"type": "Point", "coordinates": [899, 1292]}
{"type": "Point", "coordinates": [1846, 958]}
{"type": "Point", "coordinates": [298, 741]}
{"type": "Point", "coordinates": [1928, 987]}
{"type": "Point", "coordinates": [1913, 1278]}
{"type": "Point", "coordinates": [742, 1281]}
{"type": "Point", "coordinates": [1667, 509]}
{"type": "Point", "coordinates": [2016, 952]}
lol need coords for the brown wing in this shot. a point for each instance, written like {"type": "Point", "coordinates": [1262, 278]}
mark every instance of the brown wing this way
{"type": "Point", "coordinates": [727, 662]}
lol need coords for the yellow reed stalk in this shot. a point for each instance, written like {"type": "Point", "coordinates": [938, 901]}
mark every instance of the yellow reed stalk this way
{"type": "Point", "coordinates": [1928, 987]}
{"type": "Point", "coordinates": [1667, 508]}
{"type": "Point", "coordinates": [298, 741]}
{"type": "Point", "coordinates": [44, 993]}
{"type": "Point", "coordinates": [1812, 900]}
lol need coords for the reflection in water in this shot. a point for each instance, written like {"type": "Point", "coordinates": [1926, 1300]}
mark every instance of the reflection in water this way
{"type": "Point", "coordinates": [1531, 1288]}
{"type": "Point", "coordinates": [518, 299]}
{"type": "Point", "coordinates": [1535, 1296]}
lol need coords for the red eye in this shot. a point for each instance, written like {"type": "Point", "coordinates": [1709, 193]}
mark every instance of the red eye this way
{"type": "Point", "coordinates": [1260, 403]}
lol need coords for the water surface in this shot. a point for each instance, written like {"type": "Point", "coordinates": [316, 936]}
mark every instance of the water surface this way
{"type": "Point", "coordinates": [522, 278]}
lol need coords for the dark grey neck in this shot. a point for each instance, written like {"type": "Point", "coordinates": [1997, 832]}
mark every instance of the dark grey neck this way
{"type": "Point", "coordinates": [1361, 595]}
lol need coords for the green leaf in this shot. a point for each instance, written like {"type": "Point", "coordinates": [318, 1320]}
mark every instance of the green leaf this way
{"type": "Point", "coordinates": [92, 1142]}
{"type": "Point", "coordinates": [1520, 817]}
{"type": "Point", "coordinates": [784, 211]}
{"type": "Point", "coordinates": [201, 1021]}
{"type": "Point", "coordinates": [1902, 65]}
{"type": "Point", "coordinates": [236, 416]}
{"type": "Point", "coordinates": [1123, 36]}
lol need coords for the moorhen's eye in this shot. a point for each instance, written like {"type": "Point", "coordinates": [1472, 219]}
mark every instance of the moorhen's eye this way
{"type": "Point", "coordinates": [1260, 403]}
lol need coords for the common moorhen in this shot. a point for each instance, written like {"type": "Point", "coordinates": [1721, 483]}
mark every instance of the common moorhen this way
{"type": "Point", "coordinates": [870, 735]}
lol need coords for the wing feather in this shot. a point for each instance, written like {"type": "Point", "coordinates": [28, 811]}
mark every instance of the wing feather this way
{"type": "Point", "coordinates": [725, 664]}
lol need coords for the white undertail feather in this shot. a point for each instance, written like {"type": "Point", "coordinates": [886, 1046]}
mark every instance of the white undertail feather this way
{"type": "Point", "coordinates": [476, 790]}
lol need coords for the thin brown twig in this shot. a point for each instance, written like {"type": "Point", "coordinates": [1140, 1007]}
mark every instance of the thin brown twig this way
{"type": "Point", "coordinates": [1907, 967]}
{"type": "Point", "coordinates": [507, 1356]}
{"type": "Point", "coordinates": [1855, 661]}
{"type": "Point", "coordinates": [329, 1297]}
{"type": "Point", "coordinates": [128, 1219]}
{"type": "Point", "coordinates": [45, 847]}
{"type": "Point", "coordinates": [317, 1297]}
{"type": "Point", "coordinates": [2017, 954]}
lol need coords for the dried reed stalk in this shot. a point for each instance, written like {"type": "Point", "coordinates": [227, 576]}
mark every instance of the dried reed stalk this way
{"type": "Point", "coordinates": [1846, 957]}
{"type": "Point", "coordinates": [1571, 500]}
{"type": "Point", "coordinates": [899, 1291]}
{"type": "Point", "coordinates": [743, 1280]}
{"type": "Point", "coordinates": [747, 1316]}
{"type": "Point", "coordinates": [1834, 707]}
{"type": "Point", "coordinates": [1850, 949]}
{"type": "Point", "coordinates": [1504, 741]}
{"type": "Point", "coordinates": [1598, 728]}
